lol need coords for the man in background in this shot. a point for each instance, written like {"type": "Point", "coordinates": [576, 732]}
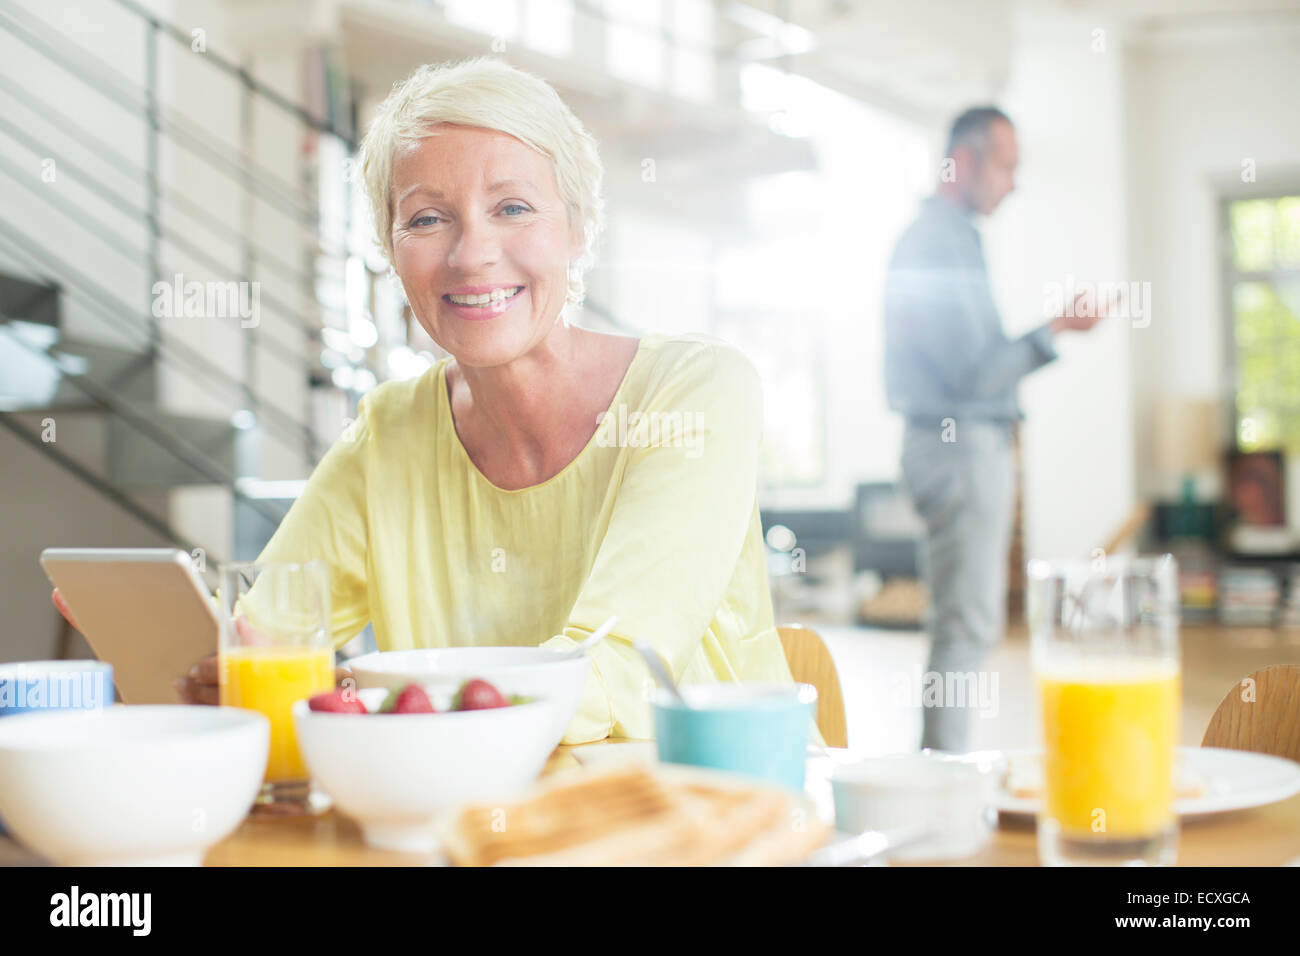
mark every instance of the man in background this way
{"type": "Point", "coordinates": [952, 372]}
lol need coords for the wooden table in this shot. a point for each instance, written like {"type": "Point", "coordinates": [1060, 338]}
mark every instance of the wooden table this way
{"type": "Point", "coordinates": [1264, 836]}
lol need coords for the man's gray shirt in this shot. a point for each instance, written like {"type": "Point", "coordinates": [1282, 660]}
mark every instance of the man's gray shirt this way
{"type": "Point", "coordinates": [946, 355]}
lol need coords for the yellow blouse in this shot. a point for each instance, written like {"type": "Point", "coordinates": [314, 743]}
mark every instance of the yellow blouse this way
{"type": "Point", "coordinates": [656, 520]}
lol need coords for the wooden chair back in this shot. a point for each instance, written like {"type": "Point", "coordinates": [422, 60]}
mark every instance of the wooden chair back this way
{"type": "Point", "coordinates": [811, 663]}
{"type": "Point", "coordinates": [1260, 713]}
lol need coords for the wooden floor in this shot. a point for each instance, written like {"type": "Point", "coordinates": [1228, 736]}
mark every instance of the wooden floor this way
{"type": "Point", "coordinates": [880, 672]}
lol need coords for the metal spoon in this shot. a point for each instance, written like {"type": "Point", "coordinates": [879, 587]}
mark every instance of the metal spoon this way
{"type": "Point", "coordinates": [866, 846]}
{"type": "Point", "coordinates": [596, 636]}
{"type": "Point", "coordinates": [660, 673]}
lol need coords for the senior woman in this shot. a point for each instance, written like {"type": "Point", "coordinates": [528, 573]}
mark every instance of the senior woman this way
{"type": "Point", "coordinates": [543, 477]}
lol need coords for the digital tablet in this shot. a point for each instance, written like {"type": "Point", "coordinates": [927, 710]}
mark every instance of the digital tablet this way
{"type": "Point", "coordinates": [146, 611]}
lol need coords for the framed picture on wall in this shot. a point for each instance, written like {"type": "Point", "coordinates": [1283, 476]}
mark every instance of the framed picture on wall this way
{"type": "Point", "coordinates": [1256, 483]}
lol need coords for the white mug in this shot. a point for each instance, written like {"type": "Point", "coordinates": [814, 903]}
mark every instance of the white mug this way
{"type": "Point", "coordinates": [951, 797]}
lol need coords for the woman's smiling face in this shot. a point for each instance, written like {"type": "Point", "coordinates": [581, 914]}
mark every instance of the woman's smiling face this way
{"type": "Point", "coordinates": [482, 240]}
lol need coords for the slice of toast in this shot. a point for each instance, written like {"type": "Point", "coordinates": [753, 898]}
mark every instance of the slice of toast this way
{"type": "Point", "coordinates": [637, 815]}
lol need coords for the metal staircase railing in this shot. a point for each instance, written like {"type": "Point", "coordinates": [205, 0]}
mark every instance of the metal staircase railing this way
{"type": "Point", "coordinates": [125, 247]}
{"type": "Point", "coordinates": [48, 42]}
{"type": "Point", "coordinates": [294, 207]}
{"type": "Point", "coordinates": [96, 482]}
{"type": "Point", "coordinates": [118, 315]}
{"type": "Point", "coordinates": [174, 444]}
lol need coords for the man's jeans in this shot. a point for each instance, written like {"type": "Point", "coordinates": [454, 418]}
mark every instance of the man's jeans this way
{"type": "Point", "coordinates": [964, 490]}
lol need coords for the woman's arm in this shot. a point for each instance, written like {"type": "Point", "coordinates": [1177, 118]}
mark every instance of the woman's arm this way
{"type": "Point", "coordinates": [678, 524]}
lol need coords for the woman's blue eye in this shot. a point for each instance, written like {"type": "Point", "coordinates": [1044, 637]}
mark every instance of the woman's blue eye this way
{"type": "Point", "coordinates": [420, 219]}
{"type": "Point", "coordinates": [515, 205]}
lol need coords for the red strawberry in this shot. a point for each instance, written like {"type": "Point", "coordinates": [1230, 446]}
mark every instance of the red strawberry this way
{"type": "Point", "coordinates": [478, 694]}
{"type": "Point", "coordinates": [339, 701]}
{"type": "Point", "coordinates": [411, 699]}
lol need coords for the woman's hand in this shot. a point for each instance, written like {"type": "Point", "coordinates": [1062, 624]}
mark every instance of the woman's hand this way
{"type": "Point", "coordinates": [66, 611]}
{"type": "Point", "coordinates": [199, 686]}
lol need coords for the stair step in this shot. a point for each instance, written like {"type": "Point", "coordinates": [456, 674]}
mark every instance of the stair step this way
{"type": "Point", "coordinates": [137, 460]}
{"type": "Point", "coordinates": [128, 457]}
{"type": "Point", "coordinates": [30, 378]}
{"type": "Point", "coordinates": [30, 301]}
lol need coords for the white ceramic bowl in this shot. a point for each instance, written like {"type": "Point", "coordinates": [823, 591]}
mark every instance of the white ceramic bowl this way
{"type": "Point", "coordinates": [531, 671]}
{"type": "Point", "coordinates": [950, 796]}
{"type": "Point", "coordinates": [130, 785]}
{"type": "Point", "coordinates": [393, 773]}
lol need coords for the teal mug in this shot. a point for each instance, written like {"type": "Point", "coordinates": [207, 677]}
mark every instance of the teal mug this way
{"type": "Point", "coordinates": [761, 730]}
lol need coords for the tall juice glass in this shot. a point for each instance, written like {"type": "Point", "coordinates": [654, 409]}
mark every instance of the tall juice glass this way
{"type": "Point", "coordinates": [276, 649]}
{"type": "Point", "coordinates": [1106, 661]}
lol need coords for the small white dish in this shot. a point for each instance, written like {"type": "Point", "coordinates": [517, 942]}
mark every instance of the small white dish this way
{"type": "Point", "coordinates": [393, 773]}
{"type": "Point", "coordinates": [948, 797]}
{"type": "Point", "coordinates": [130, 785]}
{"type": "Point", "coordinates": [528, 671]}
{"type": "Point", "coordinates": [1224, 780]}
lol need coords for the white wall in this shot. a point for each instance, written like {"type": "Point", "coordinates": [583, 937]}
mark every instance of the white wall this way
{"type": "Point", "coordinates": [874, 170]}
{"type": "Point", "coordinates": [1127, 145]}
{"type": "Point", "coordinates": [1198, 106]}
{"type": "Point", "coordinates": [800, 269]}
{"type": "Point", "coordinates": [1068, 217]}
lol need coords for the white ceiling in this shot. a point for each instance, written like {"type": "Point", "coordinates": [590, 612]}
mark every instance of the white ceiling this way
{"type": "Point", "coordinates": [924, 58]}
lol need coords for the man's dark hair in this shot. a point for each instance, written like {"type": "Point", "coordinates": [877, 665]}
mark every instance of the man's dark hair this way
{"type": "Point", "coordinates": [971, 128]}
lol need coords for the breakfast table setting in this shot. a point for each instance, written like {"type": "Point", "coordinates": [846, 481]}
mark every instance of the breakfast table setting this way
{"type": "Point", "coordinates": [1263, 835]}
{"type": "Point", "coordinates": [1267, 835]}
{"type": "Point", "coordinates": [437, 756]}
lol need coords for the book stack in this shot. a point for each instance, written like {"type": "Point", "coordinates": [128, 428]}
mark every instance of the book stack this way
{"type": "Point", "coordinates": [1198, 588]}
{"type": "Point", "coordinates": [1290, 615]}
{"type": "Point", "coordinates": [1248, 597]}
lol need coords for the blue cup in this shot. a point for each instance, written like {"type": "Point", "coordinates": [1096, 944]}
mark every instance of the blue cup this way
{"type": "Point", "coordinates": [28, 686]}
{"type": "Point", "coordinates": [761, 730]}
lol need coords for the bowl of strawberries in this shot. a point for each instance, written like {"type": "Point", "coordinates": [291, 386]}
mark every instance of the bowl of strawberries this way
{"type": "Point", "coordinates": [392, 759]}
{"type": "Point", "coordinates": [529, 671]}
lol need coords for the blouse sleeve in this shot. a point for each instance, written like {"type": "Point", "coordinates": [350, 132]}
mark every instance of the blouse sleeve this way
{"type": "Point", "coordinates": [675, 534]}
{"type": "Point", "coordinates": [328, 523]}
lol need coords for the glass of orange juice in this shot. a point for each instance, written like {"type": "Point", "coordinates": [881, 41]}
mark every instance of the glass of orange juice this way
{"type": "Point", "coordinates": [1104, 646]}
{"type": "Point", "coordinates": [276, 649]}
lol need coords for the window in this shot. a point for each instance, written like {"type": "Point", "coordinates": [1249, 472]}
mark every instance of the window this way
{"type": "Point", "coordinates": [545, 25]}
{"type": "Point", "coordinates": [497, 18]}
{"type": "Point", "coordinates": [548, 26]}
{"type": "Point", "coordinates": [692, 26]}
{"type": "Point", "coordinates": [802, 292]}
{"type": "Point", "coordinates": [662, 44]}
{"type": "Point", "coordinates": [634, 42]}
{"type": "Point", "coordinates": [1263, 291]}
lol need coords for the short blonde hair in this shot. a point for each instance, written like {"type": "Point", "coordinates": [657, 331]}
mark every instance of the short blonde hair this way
{"type": "Point", "coordinates": [488, 94]}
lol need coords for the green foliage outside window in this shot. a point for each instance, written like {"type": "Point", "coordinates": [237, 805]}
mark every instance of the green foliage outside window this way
{"type": "Point", "coordinates": [1265, 301]}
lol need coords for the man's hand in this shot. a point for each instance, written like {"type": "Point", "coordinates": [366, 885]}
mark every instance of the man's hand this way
{"type": "Point", "coordinates": [1084, 314]}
